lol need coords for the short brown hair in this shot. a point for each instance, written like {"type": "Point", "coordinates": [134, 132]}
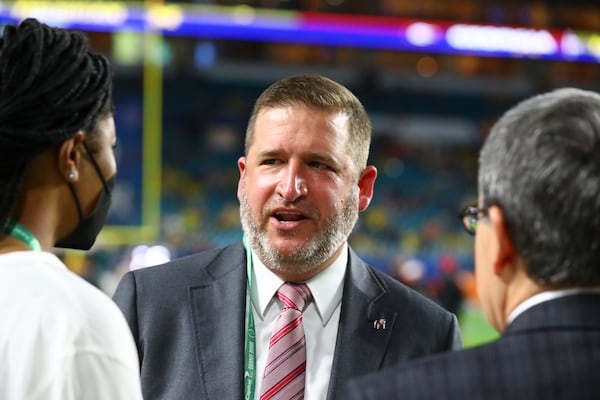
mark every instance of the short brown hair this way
{"type": "Point", "coordinates": [322, 94]}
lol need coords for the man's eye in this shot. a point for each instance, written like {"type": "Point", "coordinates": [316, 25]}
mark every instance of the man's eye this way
{"type": "Point", "coordinates": [318, 165]}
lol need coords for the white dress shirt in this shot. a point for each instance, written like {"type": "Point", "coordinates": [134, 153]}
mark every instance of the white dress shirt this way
{"type": "Point", "coordinates": [320, 319]}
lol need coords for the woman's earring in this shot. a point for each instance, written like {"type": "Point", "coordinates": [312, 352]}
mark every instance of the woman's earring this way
{"type": "Point", "coordinates": [73, 175]}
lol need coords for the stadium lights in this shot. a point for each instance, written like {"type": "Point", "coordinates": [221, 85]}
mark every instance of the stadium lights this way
{"type": "Point", "coordinates": [269, 25]}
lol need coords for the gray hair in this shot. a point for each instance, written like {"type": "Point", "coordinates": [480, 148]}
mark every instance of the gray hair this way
{"type": "Point", "coordinates": [541, 166]}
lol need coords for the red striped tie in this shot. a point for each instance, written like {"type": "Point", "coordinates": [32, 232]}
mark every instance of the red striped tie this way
{"type": "Point", "coordinates": [286, 363]}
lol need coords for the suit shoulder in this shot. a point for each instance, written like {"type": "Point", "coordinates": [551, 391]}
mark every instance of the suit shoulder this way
{"type": "Point", "coordinates": [199, 263]}
{"type": "Point", "coordinates": [454, 374]}
{"type": "Point", "coordinates": [400, 294]}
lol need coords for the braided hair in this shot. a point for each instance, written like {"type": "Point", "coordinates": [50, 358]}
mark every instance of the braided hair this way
{"type": "Point", "coordinates": [51, 87]}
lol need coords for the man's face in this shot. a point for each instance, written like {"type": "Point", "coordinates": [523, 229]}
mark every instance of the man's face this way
{"type": "Point", "coordinates": [490, 288]}
{"type": "Point", "coordinates": [299, 189]}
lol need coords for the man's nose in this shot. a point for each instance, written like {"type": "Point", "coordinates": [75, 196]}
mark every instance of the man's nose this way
{"type": "Point", "coordinates": [292, 185]}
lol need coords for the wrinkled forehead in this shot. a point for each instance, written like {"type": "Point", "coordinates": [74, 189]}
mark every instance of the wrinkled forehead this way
{"type": "Point", "coordinates": [305, 120]}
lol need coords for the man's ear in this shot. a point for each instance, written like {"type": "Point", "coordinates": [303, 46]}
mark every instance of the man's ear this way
{"type": "Point", "coordinates": [69, 157]}
{"type": "Point", "coordinates": [366, 182]}
{"type": "Point", "coordinates": [242, 168]}
{"type": "Point", "coordinates": [505, 260]}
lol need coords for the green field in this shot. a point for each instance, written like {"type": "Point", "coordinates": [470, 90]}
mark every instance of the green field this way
{"type": "Point", "coordinates": [474, 328]}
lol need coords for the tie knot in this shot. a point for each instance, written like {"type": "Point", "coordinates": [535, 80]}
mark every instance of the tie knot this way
{"type": "Point", "coordinates": [294, 295]}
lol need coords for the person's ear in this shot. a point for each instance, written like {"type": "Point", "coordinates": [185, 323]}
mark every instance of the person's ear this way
{"type": "Point", "coordinates": [242, 168]}
{"type": "Point", "coordinates": [505, 258]}
{"type": "Point", "coordinates": [69, 157]}
{"type": "Point", "coordinates": [366, 182]}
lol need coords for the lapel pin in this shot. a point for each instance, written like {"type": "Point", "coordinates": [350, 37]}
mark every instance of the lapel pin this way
{"type": "Point", "coordinates": [379, 323]}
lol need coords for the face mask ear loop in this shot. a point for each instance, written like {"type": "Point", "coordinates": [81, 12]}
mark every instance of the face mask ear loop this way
{"type": "Point", "coordinates": [96, 167]}
{"type": "Point", "coordinates": [79, 212]}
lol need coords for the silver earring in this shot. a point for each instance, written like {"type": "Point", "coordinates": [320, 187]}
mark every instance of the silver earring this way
{"type": "Point", "coordinates": [73, 175]}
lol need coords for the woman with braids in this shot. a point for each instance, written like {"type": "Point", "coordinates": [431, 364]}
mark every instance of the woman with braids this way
{"type": "Point", "coordinates": [60, 337]}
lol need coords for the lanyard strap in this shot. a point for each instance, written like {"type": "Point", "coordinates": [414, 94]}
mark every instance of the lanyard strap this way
{"type": "Point", "coordinates": [250, 354]}
{"type": "Point", "coordinates": [18, 231]}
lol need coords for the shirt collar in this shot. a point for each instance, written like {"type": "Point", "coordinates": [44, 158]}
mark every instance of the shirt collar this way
{"type": "Point", "coordinates": [326, 287]}
{"type": "Point", "coordinates": [547, 296]}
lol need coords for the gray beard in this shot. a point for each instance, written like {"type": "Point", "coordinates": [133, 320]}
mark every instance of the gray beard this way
{"type": "Point", "coordinates": [306, 257]}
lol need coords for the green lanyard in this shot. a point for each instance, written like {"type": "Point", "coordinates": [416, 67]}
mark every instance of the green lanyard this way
{"type": "Point", "coordinates": [18, 231]}
{"type": "Point", "coordinates": [250, 359]}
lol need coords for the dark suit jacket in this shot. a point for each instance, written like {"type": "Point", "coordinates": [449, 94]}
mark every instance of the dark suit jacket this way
{"type": "Point", "coordinates": [188, 319]}
{"type": "Point", "coordinates": [550, 352]}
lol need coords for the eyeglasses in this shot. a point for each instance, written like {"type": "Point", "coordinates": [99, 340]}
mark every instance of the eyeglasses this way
{"type": "Point", "coordinates": [470, 216]}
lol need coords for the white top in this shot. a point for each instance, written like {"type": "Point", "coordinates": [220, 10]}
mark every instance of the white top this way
{"type": "Point", "coordinates": [320, 319]}
{"type": "Point", "coordinates": [60, 337]}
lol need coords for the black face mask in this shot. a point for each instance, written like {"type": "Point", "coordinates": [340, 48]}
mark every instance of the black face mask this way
{"type": "Point", "coordinates": [84, 234]}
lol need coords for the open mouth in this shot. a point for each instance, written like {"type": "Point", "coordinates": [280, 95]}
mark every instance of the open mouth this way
{"type": "Point", "coordinates": [288, 216]}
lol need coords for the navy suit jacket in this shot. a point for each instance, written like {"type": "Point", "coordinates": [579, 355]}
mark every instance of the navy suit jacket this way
{"type": "Point", "coordinates": [188, 319]}
{"type": "Point", "coordinates": [550, 352]}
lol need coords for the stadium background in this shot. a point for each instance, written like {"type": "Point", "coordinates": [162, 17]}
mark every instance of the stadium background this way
{"type": "Point", "coordinates": [183, 97]}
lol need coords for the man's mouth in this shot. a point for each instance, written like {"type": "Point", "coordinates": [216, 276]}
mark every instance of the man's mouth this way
{"type": "Point", "coordinates": [288, 216]}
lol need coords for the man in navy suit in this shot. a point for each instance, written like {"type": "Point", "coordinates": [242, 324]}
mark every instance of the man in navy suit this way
{"type": "Point", "coordinates": [537, 259]}
{"type": "Point", "coordinates": [203, 323]}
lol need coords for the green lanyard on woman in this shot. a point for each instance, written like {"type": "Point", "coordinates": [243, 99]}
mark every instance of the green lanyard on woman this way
{"type": "Point", "coordinates": [18, 231]}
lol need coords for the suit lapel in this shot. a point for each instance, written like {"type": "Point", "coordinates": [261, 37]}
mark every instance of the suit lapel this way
{"type": "Point", "coordinates": [365, 327]}
{"type": "Point", "coordinates": [218, 319]}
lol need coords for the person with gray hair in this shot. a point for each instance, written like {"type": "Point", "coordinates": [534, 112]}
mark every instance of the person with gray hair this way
{"type": "Point", "coordinates": [537, 260]}
{"type": "Point", "coordinates": [290, 311]}
{"type": "Point", "coordinates": [60, 337]}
